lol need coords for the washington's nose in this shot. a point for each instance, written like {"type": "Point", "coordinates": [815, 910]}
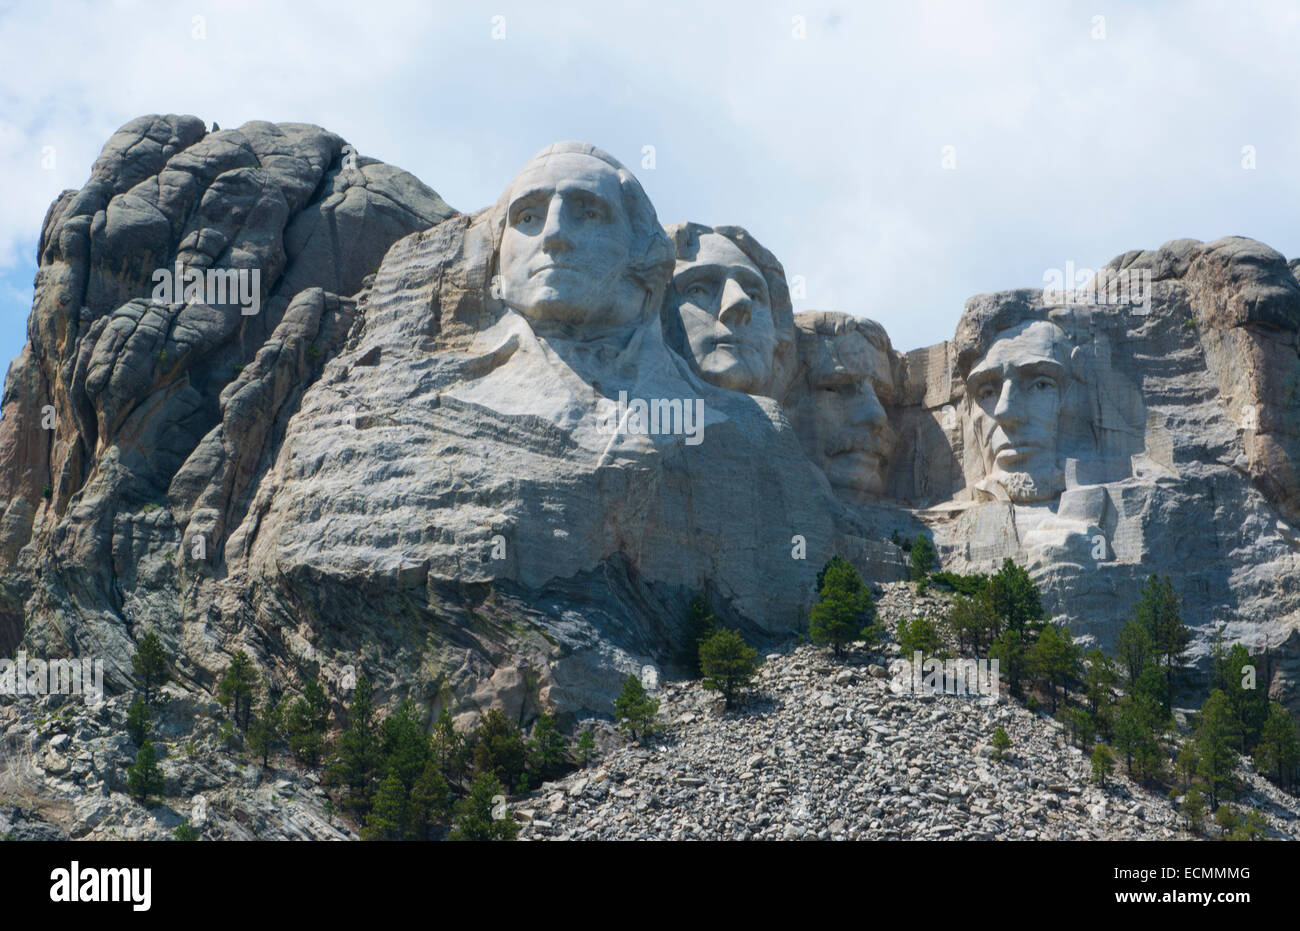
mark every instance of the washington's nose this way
{"type": "Point", "coordinates": [555, 237]}
{"type": "Point", "coordinates": [736, 307]}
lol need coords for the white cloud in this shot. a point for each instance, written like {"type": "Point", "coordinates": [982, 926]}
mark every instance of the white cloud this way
{"type": "Point", "coordinates": [827, 148]}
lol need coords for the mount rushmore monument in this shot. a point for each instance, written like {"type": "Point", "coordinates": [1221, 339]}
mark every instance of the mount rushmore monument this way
{"type": "Point", "coordinates": [488, 458]}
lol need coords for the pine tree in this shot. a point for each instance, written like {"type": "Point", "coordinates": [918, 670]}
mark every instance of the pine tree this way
{"type": "Point", "coordinates": [1226, 819]}
{"type": "Point", "coordinates": [1214, 746]}
{"type": "Point", "coordinates": [264, 730]}
{"type": "Point", "coordinates": [1249, 704]}
{"type": "Point", "coordinates": [1099, 680]}
{"type": "Point", "coordinates": [145, 777]}
{"type": "Point", "coordinates": [1103, 764]}
{"type": "Point", "coordinates": [238, 687]}
{"type": "Point", "coordinates": [431, 801]}
{"type": "Point", "coordinates": [1010, 652]}
{"type": "Point", "coordinates": [387, 819]}
{"type": "Point", "coordinates": [727, 664]}
{"type": "Point", "coordinates": [1253, 826]}
{"type": "Point", "coordinates": [1278, 751]}
{"type": "Point", "coordinates": [1016, 602]}
{"type": "Point", "coordinates": [548, 757]}
{"type": "Point", "coordinates": [1159, 611]}
{"type": "Point", "coordinates": [700, 623]}
{"type": "Point", "coordinates": [1015, 599]}
{"type": "Point", "coordinates": [186, 831]}
{"type": "Point", "coordinates": [585, 748]}
{"type": "Point", "coordinates": [974, 621]}
{"type": "Point", "coordinates": [475, 819]}
{"type": "Point", "coordinates": [1194, 810]}
{"type": "Point", "coordinates": [451, 750]}
{"type": "Point", "coordinates": [1138, 730]}
{"type": "Point", "coordinates": [1136, 651]}
{"type": "Point", "coordinates": [920, 635]}
{"type": "Point", "coordinates": [499, 748]}
{"type": "Point", "coordinates": [844, 611]}
{"type": "Point", "coordinates": [149, 665]}
{"type": "Point", "coordinates": [138, 721]}
{"type": "Point", "coordinates": [1054, 660]}
{"type": "Point", "coordinates": [634, 710]}
{"type": "Point", "coordinates": [355, 769]}
{"type": "Point", "coordinates": [921, 559]}
{"type": "Point", "coordinates": [1001, 743]}
{"type": "Point", "coordinates": [305, 723]}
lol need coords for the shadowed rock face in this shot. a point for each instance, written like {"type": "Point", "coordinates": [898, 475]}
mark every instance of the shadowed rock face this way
{"type": "Point", "coordinates": [119, 394]}
{"type": "Point", "coordinates": [845, 369]}
{"type": "Point", "coordinates": [489, 458]}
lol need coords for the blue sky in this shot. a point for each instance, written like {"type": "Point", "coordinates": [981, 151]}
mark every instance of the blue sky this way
{"type": "Point", "coordinates": [828, 148]}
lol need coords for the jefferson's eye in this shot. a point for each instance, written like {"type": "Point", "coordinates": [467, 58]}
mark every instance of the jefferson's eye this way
{"type": "Point", "coordinates": [591, 213]}
{"type": "Point", "coordinates": [697, 290]}
{"type": "Point", "coordinates": [1044, 384]}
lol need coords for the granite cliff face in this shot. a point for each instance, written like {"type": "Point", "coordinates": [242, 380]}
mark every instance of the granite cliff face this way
{"type": "Point", "coordinates": [488, 458]}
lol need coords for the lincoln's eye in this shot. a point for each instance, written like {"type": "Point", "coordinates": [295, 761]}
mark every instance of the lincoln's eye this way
{"type": "Point", "coordinates": [986, 393]}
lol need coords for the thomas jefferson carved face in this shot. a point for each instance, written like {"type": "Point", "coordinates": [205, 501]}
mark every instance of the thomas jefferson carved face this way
{"type": "Point", "coordinates": [567, 243]}
{"type": "Point", "coordinates": [725, 309]}
{"type": "Point", "coordinates": [1015, 397]}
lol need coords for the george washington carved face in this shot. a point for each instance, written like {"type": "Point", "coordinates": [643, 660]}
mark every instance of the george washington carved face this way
{"type": "Point", "coordinates": [579, 242]}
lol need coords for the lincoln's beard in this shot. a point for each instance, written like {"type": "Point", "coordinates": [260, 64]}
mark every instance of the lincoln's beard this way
{"type": "Point", "coordinates": [1024, 487]}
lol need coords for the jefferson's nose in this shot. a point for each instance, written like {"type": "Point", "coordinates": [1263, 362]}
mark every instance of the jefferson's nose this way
{"type": "Point", "coordinates": [736, 307]}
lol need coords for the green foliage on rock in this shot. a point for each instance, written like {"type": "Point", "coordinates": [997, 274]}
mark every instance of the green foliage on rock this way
{"type": "Point", "coordinates": [634, 710]}
{"type": "Point", "coordinates": [728, 664]}
{"type": "Point", "coordinates": [844, 611]}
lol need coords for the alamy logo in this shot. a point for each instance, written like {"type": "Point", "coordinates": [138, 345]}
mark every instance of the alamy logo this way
{"type": "Point", "coordinates": [960, 676]}
{"type": "Point", "coordinates": [658, 417]}
{"type": "Point", "coordinates": [215, 287]}
{"type": "Point", "coordinates": [21, 676]}
{"type": "Point", "coordinates": [103, 884]}
{"type": "Point", "coordinates": [1083, 286]}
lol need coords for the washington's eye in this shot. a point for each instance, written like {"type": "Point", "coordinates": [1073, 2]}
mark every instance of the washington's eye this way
{"type": "Point", "coordinates": [525, 217]}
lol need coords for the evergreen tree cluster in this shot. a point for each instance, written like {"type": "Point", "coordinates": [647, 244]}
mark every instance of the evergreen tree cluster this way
{"type": "Point", "coordinates": [403, 782]}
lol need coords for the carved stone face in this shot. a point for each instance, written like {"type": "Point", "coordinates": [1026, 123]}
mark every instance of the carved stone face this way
{"type": "Point", "coordinates": [726, 313]}
{"type": "Point", "coordinates": [1015, 396]}
{"type": "Point", "coordinates": [839, 418]}
{"type": "Point", "coordinates": [565, 249]}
